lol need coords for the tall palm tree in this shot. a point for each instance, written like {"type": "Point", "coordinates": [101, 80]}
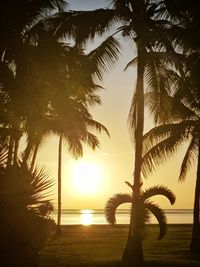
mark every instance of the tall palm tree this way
{"type": "Point", "coordinates": [139, 23]}
{"type": "Point", "coordinates": [74, 128]}
{"type": "Point", "coordinates": [182, 126]}
{"type": "Point", "coordinates": [71, 91]}
{"type": "Point", "coordinates": [146, 207]}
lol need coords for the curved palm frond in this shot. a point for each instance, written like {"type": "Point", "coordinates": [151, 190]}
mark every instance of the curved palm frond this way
{"type": "Point", "coordinates": [113, 203]}
{"type": "Point", "coordinates": [160, 216]}
{"type": "Point", "coordinates": [159, 190]}
{"type": "Point", "coordinates": [97, 125]}
{"type": "Point", "coordinates": [133, 62]}
{"type": "Point", "coordinates": [184, 129]}
{"type": "Point", "coordinates": [162, 141]}
{"type": "Point", "coordinates": [189, 157]}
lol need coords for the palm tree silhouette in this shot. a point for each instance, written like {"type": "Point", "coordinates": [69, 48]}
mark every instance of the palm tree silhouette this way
{"type": "Point", "coordinates": [49, 70]}
{"type": "Point", "coordinates": [141, 23]}
{"type": "Point", "coordinates": [146, 207]}
{"type": "Point", "coordinates": [19, 18]}
{"type": "Point", "coordinates": [181, 127]}
{"type": "Point", "coordinates": [25, 207]}
{"type": "Point", "coordinates": [75, 132]}
{"type": "Point", "coordinates": [67, 114]}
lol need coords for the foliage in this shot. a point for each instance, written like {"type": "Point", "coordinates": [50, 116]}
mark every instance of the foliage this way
{"type": "Point", "coordinates": [25, 224]}
{"type": "Point", "coordinates": [145, 208]}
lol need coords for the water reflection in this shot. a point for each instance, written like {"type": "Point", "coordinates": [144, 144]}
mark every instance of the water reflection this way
{"type": "Point", "coordinates": [86, 217]}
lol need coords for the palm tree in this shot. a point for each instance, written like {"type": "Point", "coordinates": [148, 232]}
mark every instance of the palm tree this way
{"type": "Point", "coordinates": [146, 207]}
{"type": "Point", "coordinates": [67, 114]}
{"type": "Point", "coordinates": [147, 32]}
{"type": "Point", "coordinates": [25, 209]}
{"type": "Point", "coordinates": [19, 17]}
{"type": "Point", "coordinates": [74, 132]}
{"type": "Point", "coordinates": [182, 126]}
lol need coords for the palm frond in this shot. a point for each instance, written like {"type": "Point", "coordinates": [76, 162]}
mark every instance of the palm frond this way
{"type": "Point", "coordinates": [132, 114]}
{"type": "Point", "coordinates": [40, 184]}
{"type": "Point", "coordinates": [3, 154]}
{"type": "Point", "coordinates": [113, 203]}
{"type": "Point", "coordinates": [131, 63]}
{"type": "Point", "coordinates": [155, 136]}
{"type": "Point", "coordinates": [74, 145]}
{"type": "Point", "coordinates": [165, 131]}
{"type": "Point", "coordinates": [169, 138]}
{"type": "Point", "coordinates": [39, 12]}
{"type": "Point", "coordinates": [160, 190]}
{"type": "Point", "coordinates": [97, 126]}
{"type": "Point", "coordinates": [160, 106]}
{"type": "Point", "coordinates": [104, 56]}
{"type": "Point", "coordinates": [160, 216]}
{"type": "Point", "coordinates": [152, 74]}
{"type": "Point", "coordinates": [159, 92]}
{"type": "Point", "coordinates": [81, 25]}
{"type": "Point", "coordinates": [189, 157]}
{"type": "Point", "coordinates": [129, 185]}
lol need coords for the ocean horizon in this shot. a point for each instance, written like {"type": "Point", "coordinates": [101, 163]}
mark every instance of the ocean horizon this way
{"type": "Point", "coordinates": [97, 216]}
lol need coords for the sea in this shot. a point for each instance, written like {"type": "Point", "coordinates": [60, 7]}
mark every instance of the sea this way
{"type": "Point", "coordinates": [97, 216]}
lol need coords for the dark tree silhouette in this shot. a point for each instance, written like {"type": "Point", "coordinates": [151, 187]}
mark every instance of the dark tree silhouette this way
{"type": "Point", "coordinates": [181, 126]}
{"type": "Point", "coordinates": [141, 23]}
{"type": "Point", "coordinates": [25, 209]}
{"type": "Point", "coordinates": [146, 207]}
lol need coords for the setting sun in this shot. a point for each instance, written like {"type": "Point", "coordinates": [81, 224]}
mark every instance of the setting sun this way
{"type": "Point", "coordinates": [86, 177]}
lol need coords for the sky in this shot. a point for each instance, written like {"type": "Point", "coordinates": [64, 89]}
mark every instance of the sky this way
{"type": "Point", "coordinates": [113, 163]}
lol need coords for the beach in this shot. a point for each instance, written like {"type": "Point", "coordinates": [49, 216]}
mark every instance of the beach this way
{"type": "Point", "coordinates": [102, 245]}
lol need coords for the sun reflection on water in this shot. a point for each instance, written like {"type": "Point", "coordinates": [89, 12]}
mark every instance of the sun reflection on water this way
{"type": "Point", "coordinates": [86, 217]}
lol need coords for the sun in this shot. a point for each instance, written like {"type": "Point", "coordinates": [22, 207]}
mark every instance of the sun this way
{"type": "Point", "coordinates": [86, 177]}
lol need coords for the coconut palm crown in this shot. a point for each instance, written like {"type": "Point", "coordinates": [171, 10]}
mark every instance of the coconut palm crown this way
{"type": "Point", "coordinates": [146, 206]}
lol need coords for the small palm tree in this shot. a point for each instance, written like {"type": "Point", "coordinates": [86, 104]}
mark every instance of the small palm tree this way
{"type": "Point", "coordinates": [25, 210]}
{"type": "Point", "coordinates": [145, 206]}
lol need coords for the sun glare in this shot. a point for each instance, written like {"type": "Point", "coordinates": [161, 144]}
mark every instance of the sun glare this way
{"type": "Point", "coordinates": [86, 177]}
{"type": "Point", "coordinates": [86, 217]}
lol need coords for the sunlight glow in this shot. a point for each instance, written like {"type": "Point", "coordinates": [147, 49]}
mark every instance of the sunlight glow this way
{"type": "Point", "coordinates": [86, 177]}
{"type": "Point", "coordinates": [86, 217]}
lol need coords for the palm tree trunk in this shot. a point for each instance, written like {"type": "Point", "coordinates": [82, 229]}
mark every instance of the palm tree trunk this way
{"type": "Point", "coordinates": [27, 152]}
{"type": "Point", "coordinates": [34, 156]}
{"type": "Point", "coordinates": [59, 184]}
{"type": "Point", "coordinates": [10, 151]}
{"type": "Point", "coordinates": [16, 149]}
{"type": "Point", "coordinates": [195, 242]}
{"type": "Point", "coordinates": [133, 253]}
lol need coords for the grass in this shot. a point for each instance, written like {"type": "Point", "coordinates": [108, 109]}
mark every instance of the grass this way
{"type": "Point", "coordinates": [102, 246]}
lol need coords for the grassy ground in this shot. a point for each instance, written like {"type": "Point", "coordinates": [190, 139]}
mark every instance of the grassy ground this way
{"type": "Point", "coordinates": [97, 245]}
